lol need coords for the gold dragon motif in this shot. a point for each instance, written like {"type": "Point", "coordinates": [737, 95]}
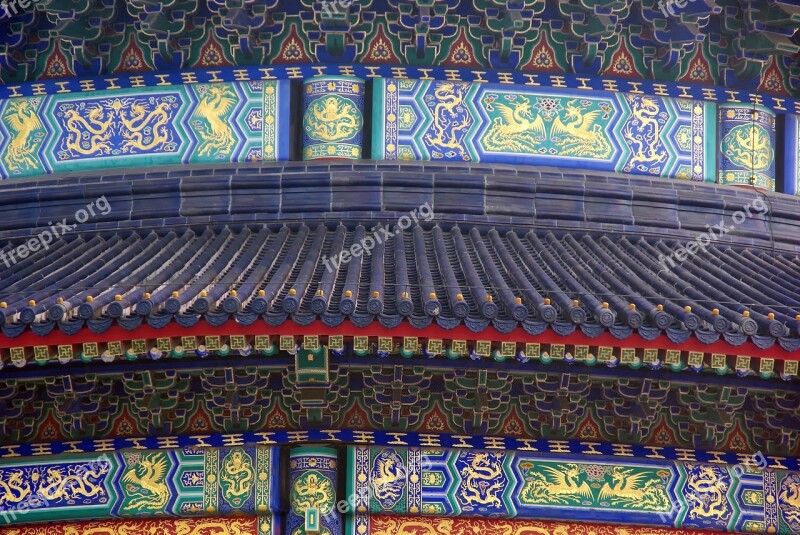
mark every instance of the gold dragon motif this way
{"type": "Point", "coordinates": [71, 486]}
{"type": "Point", "coordinates": [212, 527]}
{"type": "Point", "coordinates": [139, 120]}
{"type": "Point", "coordinates": [312, 490]}
{"type": "Point", "coordinates": [629, 489]}
{"type": "Point", "coordinates": [644, 138]}
{"type": "Point", "coordinates": [23, 122]}
{"type": "Point", "coordinates": [13, 488]}
{"type": "Point", "coordinates": [462, 526]}
{"type": "Point", "coordinates": [621, 530]}
{"type": "Point", "coordinates": [406, 526]}
{"type": "Point", "coordinates": [181, 527]}
{"type": "Point", "coordinates": [749, 146]}
{"type": "Point", "coordinates": [237, 474]}
{"type": "Point", "coordinates": [146, 482]}
{"type": "Point", "coordinates": [450, 118]}
{"type": "Point", "coordinates": [97, 128]}
{"type": "Point", "coordinates": [540, 530]}
{"type": "Point", "coordinates": [481, 480]}
{"type": "Point", "coordinates": [706, 494]}
{"type": "Point", "coordinates": [214, 132]}
{"type": "Point", "coordinates": [99, 530]}
{"type": "Point", "coordinates": [555, 486]}
{"type": "Point", "coordinates": [333, 119]}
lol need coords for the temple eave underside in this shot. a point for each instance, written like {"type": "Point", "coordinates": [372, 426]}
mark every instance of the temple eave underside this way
{"type": "Point", "coordinates": [399, 267]}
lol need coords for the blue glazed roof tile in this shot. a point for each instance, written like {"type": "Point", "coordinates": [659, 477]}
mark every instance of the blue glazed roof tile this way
{"type": "Point", "coordinates": [455, 275]}
{"type": "Point", "coordinates": [534, 248]}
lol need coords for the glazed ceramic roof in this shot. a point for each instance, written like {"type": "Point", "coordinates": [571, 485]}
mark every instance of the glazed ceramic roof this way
{"type": "Point", "coordinates": [534, 280]}
{"type": "Point", "coordinates": [487, 269]}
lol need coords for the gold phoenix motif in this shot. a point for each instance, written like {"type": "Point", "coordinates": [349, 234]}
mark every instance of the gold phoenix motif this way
{"type": "Point", "coordinates": [214, 132]}
{"type": "Point", "coordinates": [517, 121]}
{"type": "Point", "coordinates": [388, 477]}
{"type": "Point", "coordinates": [630, 489]}
{"type": "Point", "coordinates": [146, 482]}
{"type": "Point", "coordinates": [520, 129]}
{"type": "Point", "coordinates": [581, 135]}
{"type": "Point", "coordinates": [553, 485]}
{"type": "Point", "coordinates": [22, 120]}
{"type": "Point", "coordinates": [564, 484]}
{"type": "Point", "coordinates": [789, 498]}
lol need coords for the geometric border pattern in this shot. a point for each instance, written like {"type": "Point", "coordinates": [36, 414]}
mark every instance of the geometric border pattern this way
{"type": "Point", "coordinates": [791, 168]}
{"type": "Point", "coordinates": [688, 90]}
{"type": "Point", "coordinates": [406, 439]}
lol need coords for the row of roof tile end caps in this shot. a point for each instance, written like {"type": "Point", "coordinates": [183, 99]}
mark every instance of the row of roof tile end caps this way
{"type": "Point", "coordinates": [536, 280]}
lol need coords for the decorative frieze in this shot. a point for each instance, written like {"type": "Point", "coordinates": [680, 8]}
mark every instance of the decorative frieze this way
{"type": "Point", "coordinates": [142, 483]}
{"type": "Point", "coordinates": [455, 121]}
{"type": "Point", "coordinates": [137, 127]}
{"type": "Point", "coordinates": [531, 485]}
